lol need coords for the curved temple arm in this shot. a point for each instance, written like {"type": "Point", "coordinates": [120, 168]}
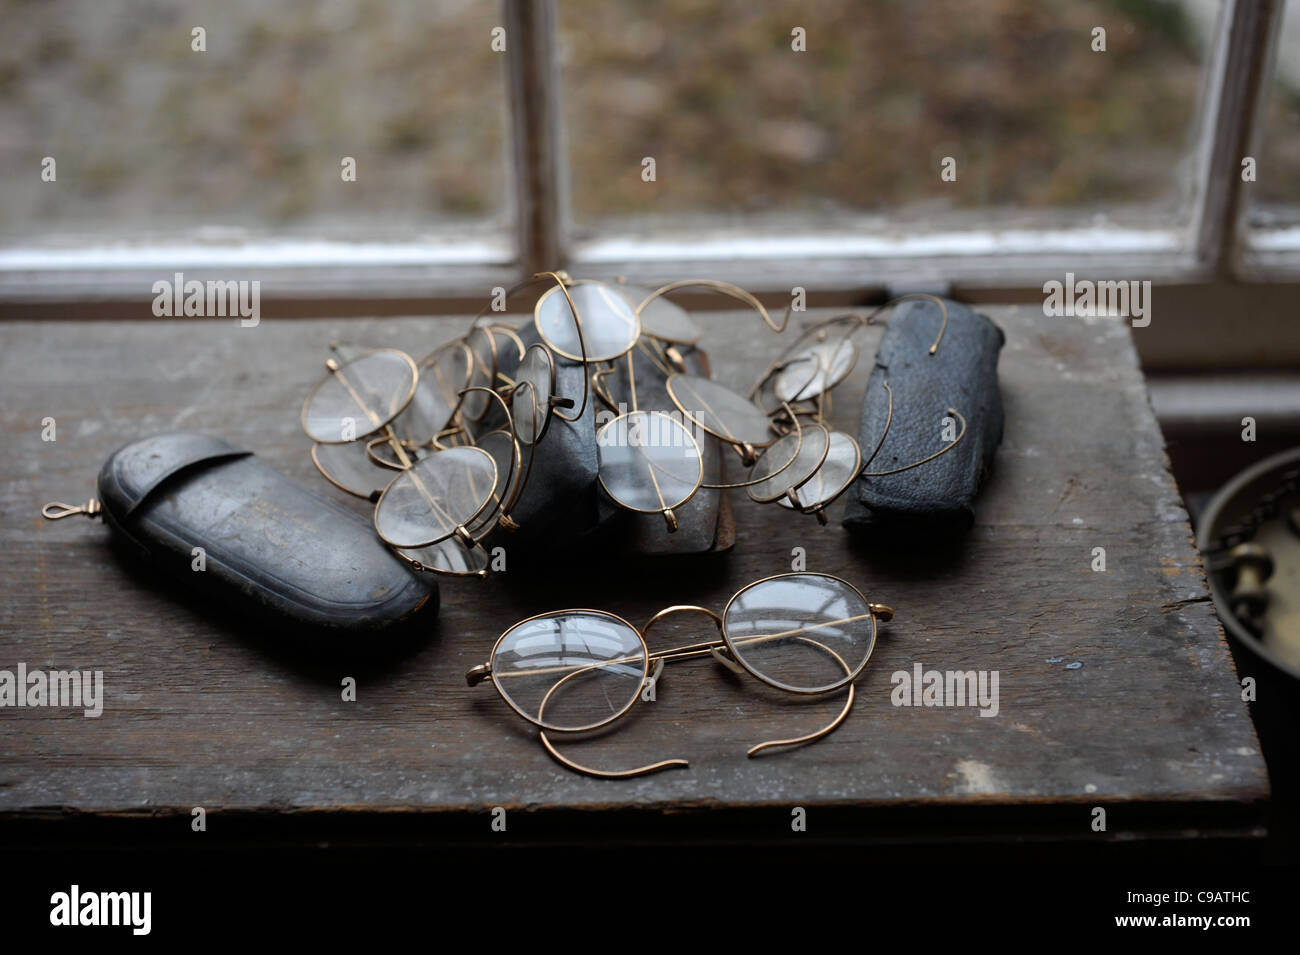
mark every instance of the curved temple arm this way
{"type": "Point", "coordinates": [587, 770]}
{"type": "Point", "coordinates": [829, 727]}
{"type": "Point", "coordinates": [609, 773]}
{"type": "Point", "coordinates": [916, 464]}
{"type": "Point", "coordinates": [889, 420]}
{"type": "Point", "coordinates": [582, 342]}
{"type": "Point", "coordinates": [726, 288]}
{"type": "Point", "coordinates": [913, 297]}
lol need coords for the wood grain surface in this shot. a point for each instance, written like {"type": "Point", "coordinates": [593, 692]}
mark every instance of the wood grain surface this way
{"type": "Point", "coordinates": [1116, 688]}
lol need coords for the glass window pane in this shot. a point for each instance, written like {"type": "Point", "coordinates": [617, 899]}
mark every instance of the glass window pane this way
{"type": "Point", "coordinates": [1275, 193]}
{"type": "Point", "coordinates": [150, 136]}
{"type": "Point", "coordinates": [742, 127]}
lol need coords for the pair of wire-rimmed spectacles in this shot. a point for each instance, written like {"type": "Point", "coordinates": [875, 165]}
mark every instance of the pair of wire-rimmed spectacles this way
{"type": "Point", "coordinates": [574, 671]}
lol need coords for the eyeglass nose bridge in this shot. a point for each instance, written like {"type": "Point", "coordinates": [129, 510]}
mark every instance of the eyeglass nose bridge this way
{"type": "Point", "coordinates": [669, 611]}
{"type": "Point", "coordinates": [716, 649]}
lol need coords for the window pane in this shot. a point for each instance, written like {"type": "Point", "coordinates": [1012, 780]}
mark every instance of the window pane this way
{"type": "Point", "coordinates": [1276, 190]}
{"type": "Point", "coordinates": [150, 136]}
{"type": "Point", "coordinates": [742, 126]}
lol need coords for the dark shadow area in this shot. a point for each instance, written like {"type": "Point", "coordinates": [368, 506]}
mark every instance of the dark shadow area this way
{"type": "Point", "coordinates": [313, 652]}
{"type": "Point", "coordinates": [916, 551]}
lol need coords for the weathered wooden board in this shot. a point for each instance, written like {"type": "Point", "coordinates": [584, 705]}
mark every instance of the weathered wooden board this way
{"type": "Point", "coordinates": [204, 710]}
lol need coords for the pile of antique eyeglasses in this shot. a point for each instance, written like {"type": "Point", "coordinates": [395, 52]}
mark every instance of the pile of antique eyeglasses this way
{"type": "Point", "coordinates": [445, 445]}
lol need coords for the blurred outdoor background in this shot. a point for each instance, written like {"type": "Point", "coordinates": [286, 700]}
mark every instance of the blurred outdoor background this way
{"type": "Point", "coordinates": [153, 138]}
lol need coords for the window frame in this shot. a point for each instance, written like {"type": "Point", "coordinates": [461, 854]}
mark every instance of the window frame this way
{"type": "Point", "coordinates": [1216, 244]}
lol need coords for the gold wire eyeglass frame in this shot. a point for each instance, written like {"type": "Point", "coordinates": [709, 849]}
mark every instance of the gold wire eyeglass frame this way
{"type": "Point", "coordinates": [722, 649]}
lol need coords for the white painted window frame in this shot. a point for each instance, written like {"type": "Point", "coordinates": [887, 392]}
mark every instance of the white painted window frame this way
{"type": "Point", "coordinates": [1215, 244]}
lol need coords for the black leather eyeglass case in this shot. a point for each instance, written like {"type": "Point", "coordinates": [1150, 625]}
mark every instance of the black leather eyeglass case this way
{"type": "Point", "coordinates": [267, 542]}
{"type": "Point", "coordinates": [962, 374]}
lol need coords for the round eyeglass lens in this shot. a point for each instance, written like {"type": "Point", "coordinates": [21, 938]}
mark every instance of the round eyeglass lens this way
{"type": "Point", "coordinates": [719, 410]}
{"type": "Point", "coordinates": [442, 377]}
{"type": "Point", "coordinates": [360, 397]}
{"type": "Point", "coordinates": [609, 323]}
{"type": "Point", "coordinates": [349, 467]}
{"type": "Point", "coordinates": [788, 462]}
{"type": "Point", "coordinates": [443, 491]}
{"type": "Point", "coordinates": [838, 471]}
{"type": "Point", "coordinates": [648, 461]}
{"type": "Point", "coordinates": [483, 345]}
{"type": "Point", "coordinates": [661, 318]}
{"type": "Point", "coordinates": [817, 368]}
{"type": "Point", "coordinates": [449, 557]}
{"type": "Point", "coordinates": [764, 394]}
{"type": "Point", "coordinates": [505, 455]}
{"type": "Point", "coordinates": [802, 632]}
{"type": "Point", "coordinates": [571, 670]}
{"type": "Point", "coordinates": [530, 404]}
